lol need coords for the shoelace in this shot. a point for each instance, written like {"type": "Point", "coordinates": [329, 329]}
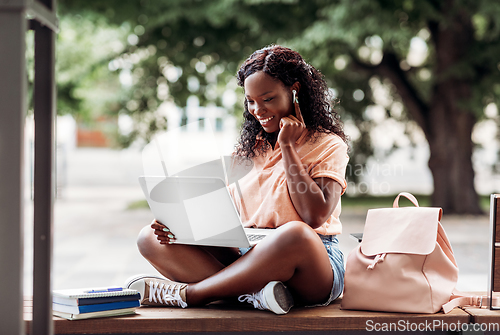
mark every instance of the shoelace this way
{"type": "Point", "coordinates": [166, 294]}
{"type": "Point", "coordinates": [255, 298]}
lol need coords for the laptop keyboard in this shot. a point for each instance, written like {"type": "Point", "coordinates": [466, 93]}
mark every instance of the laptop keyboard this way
{"type": "Point", "coordinates": [255, 237]}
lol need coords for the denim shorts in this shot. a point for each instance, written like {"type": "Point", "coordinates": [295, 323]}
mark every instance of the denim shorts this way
{"type": "Point", "coordinates": [336, 257]}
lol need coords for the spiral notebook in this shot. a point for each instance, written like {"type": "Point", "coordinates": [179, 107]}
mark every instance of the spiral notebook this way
{"type": "Point", "coordinates": [97, 295]}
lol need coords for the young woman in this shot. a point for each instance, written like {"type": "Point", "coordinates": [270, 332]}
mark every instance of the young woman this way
{"type": "Point", "coordinates": [296, 143]}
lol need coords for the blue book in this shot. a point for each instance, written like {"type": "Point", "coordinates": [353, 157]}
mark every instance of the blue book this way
{"type": "Point", "coordinates": [95, 307]}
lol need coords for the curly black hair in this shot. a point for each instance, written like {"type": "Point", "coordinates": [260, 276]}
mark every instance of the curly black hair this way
{"type": "Point", "coordinates": [314, 99]}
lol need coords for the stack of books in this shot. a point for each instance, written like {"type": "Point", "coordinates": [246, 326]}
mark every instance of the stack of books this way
{"type": "Point", "coordinates": [75, 304]}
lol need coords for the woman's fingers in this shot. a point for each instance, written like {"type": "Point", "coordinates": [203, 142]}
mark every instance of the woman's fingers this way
{"type": "Point", "coordinates": [290, 129]}
{"type": "Point", "coordinates": [291, 121]}
{"type": "Point", "coordinates": [164, 237]}
{"type": "Point", "coordinates": [297, 121]}
{"type": "Point", "coordinates": [298, 113]}
{"type": "Point", "coordinates": [157, 225]}
{"type": "Point", "coordinates": [163, 233]}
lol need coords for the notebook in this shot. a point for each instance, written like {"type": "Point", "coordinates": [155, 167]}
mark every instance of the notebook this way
{"type": "Point", "coordinates": [96, 300]}
{"type": "Point", "coordinates": [102, 314]}
{"type": "Point", "coordinates": [198, 211]}
{"type": "Point", "coordinates": [85, 303]}
{"type": "Point", "coordinates": [87, 296]}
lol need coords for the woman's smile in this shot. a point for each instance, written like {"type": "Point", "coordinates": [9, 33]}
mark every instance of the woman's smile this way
{"type": "Point", "coordinates": [265, 121]}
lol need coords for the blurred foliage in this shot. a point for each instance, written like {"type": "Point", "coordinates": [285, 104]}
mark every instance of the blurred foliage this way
{"type": "Point", "coordinates": [177, 49]}
{"type": "Point", "coordinates": [171, 50]}
{"type": "Point", "coordinates": [86, 88]}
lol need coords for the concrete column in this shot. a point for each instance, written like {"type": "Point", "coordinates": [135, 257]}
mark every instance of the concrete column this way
{"type": "Point", "coordinates": [12, 115]}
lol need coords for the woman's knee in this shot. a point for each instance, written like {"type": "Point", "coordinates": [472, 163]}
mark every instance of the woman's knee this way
{"type": "Point", "coordinates": [296, 233]}
{"type": "Point", "coordinates": [145, 241]}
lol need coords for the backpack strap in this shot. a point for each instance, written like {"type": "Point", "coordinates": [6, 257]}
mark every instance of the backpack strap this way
{"type": "Point", "coordinates": [408, 196]}
{"type": "Point", "coordinates": [459, 299]}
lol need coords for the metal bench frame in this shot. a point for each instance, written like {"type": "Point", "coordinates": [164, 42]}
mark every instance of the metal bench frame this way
{"type": "Point", "coordinates": [16, 17]}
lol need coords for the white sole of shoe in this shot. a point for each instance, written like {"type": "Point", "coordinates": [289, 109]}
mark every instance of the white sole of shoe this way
{"type": "Point", "coordinates": [278, 298]}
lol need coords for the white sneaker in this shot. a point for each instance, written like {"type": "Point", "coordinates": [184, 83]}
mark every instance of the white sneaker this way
{"type": "Point", "coordinates": [274, 297]}
{"type": "Point", "coordinates": [158, 291]}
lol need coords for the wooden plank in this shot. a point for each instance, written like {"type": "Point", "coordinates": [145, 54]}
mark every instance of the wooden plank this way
{"type": "Point", "coordinates": [240, 318]}
{"type": "Point", "coordinates": [496, 270]}
{"type": "Point", "coordinates": [485, 317]}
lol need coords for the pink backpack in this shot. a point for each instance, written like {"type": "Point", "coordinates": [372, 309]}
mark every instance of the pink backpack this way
{"type": "Point", "coordinates": [404, 262]}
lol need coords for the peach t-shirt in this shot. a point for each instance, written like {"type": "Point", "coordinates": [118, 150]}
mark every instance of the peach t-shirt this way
{"type": "Point", "coordinates": [263, 200]}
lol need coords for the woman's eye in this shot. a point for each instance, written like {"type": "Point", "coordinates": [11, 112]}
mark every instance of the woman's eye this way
{"type": "Point", "coordinates": [268, 99]}
{"type": "Point", "coordinates": [250, 101]}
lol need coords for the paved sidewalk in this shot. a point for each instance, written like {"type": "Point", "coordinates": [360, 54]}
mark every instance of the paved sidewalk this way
{"type": "Point", "coordinates": [95, 233]}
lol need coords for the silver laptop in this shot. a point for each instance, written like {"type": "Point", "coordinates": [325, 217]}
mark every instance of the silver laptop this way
{"type": "Point", "coordinates": [198, 211]}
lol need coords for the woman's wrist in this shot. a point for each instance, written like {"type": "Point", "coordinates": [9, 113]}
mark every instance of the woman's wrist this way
{"type": "Point", "coordinates": [287, 146]}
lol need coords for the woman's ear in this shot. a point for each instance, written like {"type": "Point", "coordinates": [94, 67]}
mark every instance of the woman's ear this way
{"type": "Point", "coordinates": [296, 87]}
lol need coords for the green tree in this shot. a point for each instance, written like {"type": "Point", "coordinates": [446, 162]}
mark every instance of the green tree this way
{"type": "Point", "coordinates": [445, 93]}
{"type": "Point", "coordinates": [360, 46]}
{"type": "Point", "coordinates": [85, 87]}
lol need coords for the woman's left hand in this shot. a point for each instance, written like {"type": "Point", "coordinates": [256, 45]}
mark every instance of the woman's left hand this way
{"type": "Point", "coordinates": [291, 127]}
{"type": "Point", "coordinates": [162, 232]}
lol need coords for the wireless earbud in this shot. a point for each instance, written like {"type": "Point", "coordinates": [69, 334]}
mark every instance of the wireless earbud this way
{"type": "Point", "coordinates": [295, 99]}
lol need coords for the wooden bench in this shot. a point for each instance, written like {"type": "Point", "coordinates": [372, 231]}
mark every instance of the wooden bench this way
{"type": "Point", "coordinates": [244, 318]}
{"type": "Point", "coordinates": [226, 318]}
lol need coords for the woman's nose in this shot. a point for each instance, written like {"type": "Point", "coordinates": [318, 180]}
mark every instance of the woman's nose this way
{"type": "Point", "coordinates": [259, 110]}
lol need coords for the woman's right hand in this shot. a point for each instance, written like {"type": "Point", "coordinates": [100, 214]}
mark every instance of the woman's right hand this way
{"type": "Point", "coordinates": [163, 234]}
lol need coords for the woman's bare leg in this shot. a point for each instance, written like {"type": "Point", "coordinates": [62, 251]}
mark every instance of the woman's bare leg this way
{"type": "Point", "coordinates": [183, 263]}
{"type": "Point", "coordinates": [294, 255]}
